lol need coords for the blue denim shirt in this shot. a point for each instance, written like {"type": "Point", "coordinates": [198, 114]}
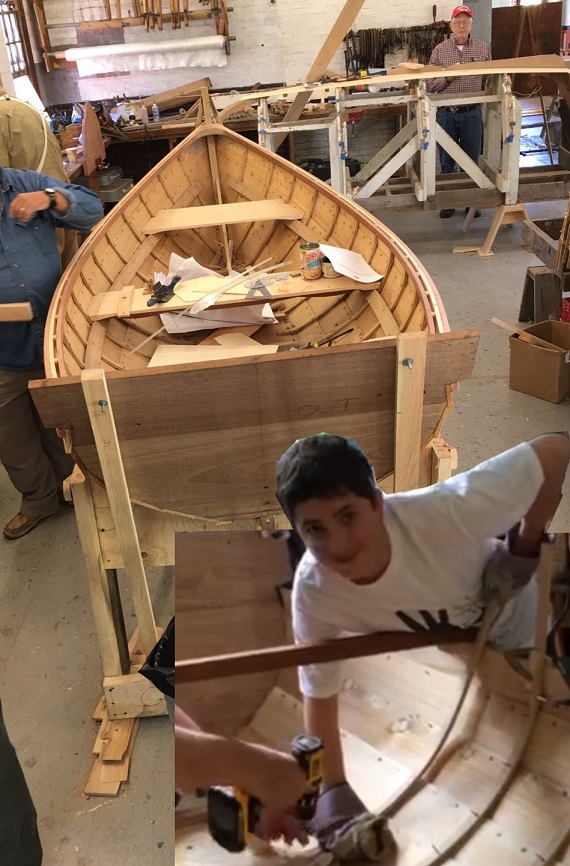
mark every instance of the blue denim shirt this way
{"type": "Point", "coordinates": [30, 266]}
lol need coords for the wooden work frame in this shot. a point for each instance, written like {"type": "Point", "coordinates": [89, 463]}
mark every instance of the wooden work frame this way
{"type": "Point", "coordinates": [415, 145]}
{"type": "Point", "coordinates": [117, 534]}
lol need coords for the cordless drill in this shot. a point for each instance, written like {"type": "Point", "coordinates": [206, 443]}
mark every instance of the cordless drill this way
{"type": "Point", "coordinates": [233, 814]}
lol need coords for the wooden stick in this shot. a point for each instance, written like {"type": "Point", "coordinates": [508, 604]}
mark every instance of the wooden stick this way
{"type": "Point", "coordinates": [102, 421]}
{"type": "Point", "coordinates": [19, 312]}
{"type": "Point", "coordinates": [523, 335]}
{"type": "Point", "coordinates": [322, 61]}
{"type": "Point", "coordinates": [278, 658]}
{"type": "Point", "coordinates": [410, 376]}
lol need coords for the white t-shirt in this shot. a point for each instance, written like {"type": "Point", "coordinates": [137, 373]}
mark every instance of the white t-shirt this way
{"type": "Point", "coordinates": [441, 537]}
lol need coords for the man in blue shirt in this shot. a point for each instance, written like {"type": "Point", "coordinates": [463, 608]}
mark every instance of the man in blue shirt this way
{"type": "Point", "coordinates": [32, 206]}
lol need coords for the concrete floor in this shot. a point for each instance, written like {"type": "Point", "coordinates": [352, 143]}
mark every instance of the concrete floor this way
{"type": "Point", "coordinates": [49, 664]}
{"type": "Point", "coordinates": [50, 678]}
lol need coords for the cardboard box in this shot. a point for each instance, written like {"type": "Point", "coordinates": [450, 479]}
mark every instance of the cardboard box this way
{"type": "Point", "coordinates": [542, 371]}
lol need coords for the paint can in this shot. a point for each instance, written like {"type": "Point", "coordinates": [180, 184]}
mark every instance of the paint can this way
{"type": "Point", "coordinates": [311, 261]}
{"type": "Point", "coordinates": [328, 271]}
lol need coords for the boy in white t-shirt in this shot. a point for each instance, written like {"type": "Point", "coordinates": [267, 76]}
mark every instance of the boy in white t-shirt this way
{"type": "Point", "coordinates": [410, 560]}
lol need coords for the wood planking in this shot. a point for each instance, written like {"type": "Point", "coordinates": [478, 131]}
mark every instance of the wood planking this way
{"type": "Point", "coordinates": [244, 414]}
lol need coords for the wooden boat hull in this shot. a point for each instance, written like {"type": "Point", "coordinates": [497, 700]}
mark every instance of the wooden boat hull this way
{"type": "Point", "coordinates": [220, 420]}
{"type": "Point", "coordinates": [497, 793]}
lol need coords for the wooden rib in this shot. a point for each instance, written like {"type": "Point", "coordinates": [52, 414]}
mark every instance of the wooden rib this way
{"type": "Point", "coordinates": [465, 832]}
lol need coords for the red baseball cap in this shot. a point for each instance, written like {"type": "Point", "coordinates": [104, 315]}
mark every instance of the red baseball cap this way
{"type": "Point", "coordinates": [465, 10]}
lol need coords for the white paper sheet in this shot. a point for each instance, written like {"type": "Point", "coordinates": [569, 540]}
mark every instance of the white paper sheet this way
{"type": "Point", "coordinates": [350, 264]}
{"type": "Point", "coordinates": [254, 314]}
{"type": "Point", "coordinates": [190, 269]}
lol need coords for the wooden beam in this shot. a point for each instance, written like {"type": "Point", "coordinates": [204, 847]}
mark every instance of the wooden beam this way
{"type": "Point", "coordinates": [134, 302]}
{"type": "Point", "coordinates": [410, 378]}
{"type": "Point", "coordinates": [393, 146]}
{"type": "Point", "coordinates": [100, 411]}
{"type": "Point", "coordinates": [177, 219]}
{"type": "Point", "coordinates": [177, 95]}
{"type": "Point", "coordinates": [113, 647]}
{"type": "Point", "coordinates": [389, 169]}
{"type": "Point", "coordinates": [461, 158]}
{"type": "Point", "coordinates": [217, 187]}
{"type": "Point", "coordinates": [322, 61]}
{"type": "Point", "coordinates": [279, 658]}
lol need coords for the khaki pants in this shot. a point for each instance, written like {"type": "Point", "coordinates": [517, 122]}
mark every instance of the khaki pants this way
{"type": "Point", "coordinates": [33, 456]}
{"type": "Point", "coordinates": [19, 840]}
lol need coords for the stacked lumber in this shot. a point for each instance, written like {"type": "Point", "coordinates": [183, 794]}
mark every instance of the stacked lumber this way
{"type": "Point", "coordinates": [115, 739]}
{"type": "Point", "coordinates": [113, 750]}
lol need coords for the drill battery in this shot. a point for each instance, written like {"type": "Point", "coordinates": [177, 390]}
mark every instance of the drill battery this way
{"type": "Point", "coordinates": [233, 815]}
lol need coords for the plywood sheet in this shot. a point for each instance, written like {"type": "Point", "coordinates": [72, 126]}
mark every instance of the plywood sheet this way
{"type": "Point", "coordinates": [204, 440]}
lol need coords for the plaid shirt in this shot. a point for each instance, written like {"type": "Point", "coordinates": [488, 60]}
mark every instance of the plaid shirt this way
{"type": "Point", "coordinates": [447, 53]}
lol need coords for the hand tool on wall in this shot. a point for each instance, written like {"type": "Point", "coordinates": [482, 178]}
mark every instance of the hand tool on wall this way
{"type": "Point", "coordinates": [185, 11]}
{"type": "Point", "coordinates": [233, 815]}
{"type": "Point", "coordinates": [159, 13]}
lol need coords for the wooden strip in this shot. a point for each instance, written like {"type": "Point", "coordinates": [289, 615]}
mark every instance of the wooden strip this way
{"type": "Point", "coordinates": [215, 173]}
{"type": "Point", "coordinates": [384, 314]}
{"type": "Point", "coordinates": [221, 214]}
{"type": "Point", "coordinates": [278, 658]}
{"type": "Point", "coordinates": [111, 648]}
{"type": "Point", "coordinates": [189, 292]}
{"type": "Point", "coordinates": [19, 312]}
{"type": "Point", "coordinates": [102, 421]}
{"type": "Point", "coordinates": [117, 738]}
{"type": "Point", "coordinates": [141, 255]}
{"type": "Point", "coordinates": [410, 378]}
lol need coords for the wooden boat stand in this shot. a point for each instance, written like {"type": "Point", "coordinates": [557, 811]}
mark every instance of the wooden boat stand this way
{"type": "Point", "coordinates": [414, 146]}
{"type": "Point", "coordinates": [117, 534]}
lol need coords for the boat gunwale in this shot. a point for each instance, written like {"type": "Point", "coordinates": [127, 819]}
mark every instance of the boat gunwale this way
{"type": "Point", "coordinates": [436, 318]}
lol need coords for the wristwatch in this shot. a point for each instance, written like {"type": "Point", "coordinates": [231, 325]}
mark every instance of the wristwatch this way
{"type": "Point", "coordinates": [52, 199]}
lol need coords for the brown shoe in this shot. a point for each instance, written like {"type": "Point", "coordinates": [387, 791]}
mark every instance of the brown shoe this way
{"type": "Point", "coordinates": [21, 524]}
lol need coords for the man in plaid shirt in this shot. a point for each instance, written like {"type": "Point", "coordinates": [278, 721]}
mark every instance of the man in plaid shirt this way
{"type": "Point", "coordinates": [464, 123]}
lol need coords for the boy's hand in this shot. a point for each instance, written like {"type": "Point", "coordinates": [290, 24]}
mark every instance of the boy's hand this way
{"type": "Point", "coordinates": [277, 824]}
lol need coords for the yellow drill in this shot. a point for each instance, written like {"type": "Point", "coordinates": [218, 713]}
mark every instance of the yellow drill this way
{"type": "Point", "coordinates": [233, 814]}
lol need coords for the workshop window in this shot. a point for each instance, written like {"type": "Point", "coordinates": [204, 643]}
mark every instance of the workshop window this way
{"type": "Point", "coordinates": [13, 26]}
